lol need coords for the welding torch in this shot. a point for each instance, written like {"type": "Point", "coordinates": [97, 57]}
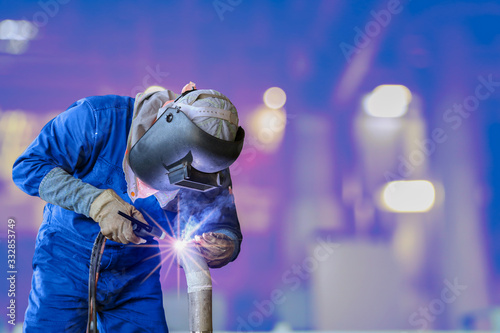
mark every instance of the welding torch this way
{"type": "Point", "coordinates": [142, 229]}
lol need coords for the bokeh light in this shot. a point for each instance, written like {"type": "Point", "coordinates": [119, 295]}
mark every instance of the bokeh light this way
{"type": "Point", "coordinates": [267, 126]}
{"type": "Point", "coordinates": [17, 30]}
{"type": "Point", "coordinates": [409, 196]}
{"type": "Point", "coordinates": [15, 35]}
{"type": "Point", "coordinates": [274, 98]}
{"type": "Point", "coordinates": [387, 101]}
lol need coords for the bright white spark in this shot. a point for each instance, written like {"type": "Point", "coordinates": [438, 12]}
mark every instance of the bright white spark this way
{"type": "Point", "coordinates": [179, 245]}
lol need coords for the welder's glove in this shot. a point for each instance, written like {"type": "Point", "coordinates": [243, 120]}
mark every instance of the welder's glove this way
{"type": "Point", "coordinates": [104, 210]}
{"type": "Point", "coordinates": [216, 248]}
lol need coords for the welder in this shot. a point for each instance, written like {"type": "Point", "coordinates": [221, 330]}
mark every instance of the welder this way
{"type": "Point", "coordinates": [100, 157]}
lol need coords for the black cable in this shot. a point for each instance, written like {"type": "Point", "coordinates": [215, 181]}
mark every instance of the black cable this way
{"type": "Point", "coordinates": [95, 262]}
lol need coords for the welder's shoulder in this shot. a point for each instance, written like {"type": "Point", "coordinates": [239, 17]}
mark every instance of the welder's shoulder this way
{"type": "Point", "coordinates": [106, 102]}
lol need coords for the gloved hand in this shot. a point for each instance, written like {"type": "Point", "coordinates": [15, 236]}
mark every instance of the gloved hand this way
{"type": "Point", "coordinates": [216, 248]}
{"type": "Point", "coordinates": [104, 210]}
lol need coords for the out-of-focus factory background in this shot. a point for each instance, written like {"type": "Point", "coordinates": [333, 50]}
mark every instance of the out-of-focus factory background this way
{"type": "Point", "coordinates": [368, 189]}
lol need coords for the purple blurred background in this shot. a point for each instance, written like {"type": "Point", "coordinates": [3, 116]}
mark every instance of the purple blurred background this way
{"type": "Point", "coordinates": [326, 245]}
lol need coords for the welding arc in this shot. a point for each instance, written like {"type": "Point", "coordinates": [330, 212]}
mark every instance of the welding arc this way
{"type": "Point", "coordinates": [95, 262]}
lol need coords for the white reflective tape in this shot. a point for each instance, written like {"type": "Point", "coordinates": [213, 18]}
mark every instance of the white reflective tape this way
{"type": "Point", "coordinates": [198, 281]}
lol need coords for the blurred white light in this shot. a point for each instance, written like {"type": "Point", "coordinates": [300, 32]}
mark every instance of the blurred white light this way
{"type": "Point", "coordinates": [17, 30]}
{"type": "Point", "coordinates": [410, 196]}
{"type": "Point", "coordinates": [387, 101]}
{"type": "Point", "coordinates": [267, 126]}
{"type": "Point", "coordinates": [274, 98]}
{"type": "Point", "coordinates": [179, 245]}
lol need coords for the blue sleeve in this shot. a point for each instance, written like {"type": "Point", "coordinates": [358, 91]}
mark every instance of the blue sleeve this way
{"type": "Point", "coordinates": [211, 211]}
{"type": "Point", "coordinates": [65, 142]}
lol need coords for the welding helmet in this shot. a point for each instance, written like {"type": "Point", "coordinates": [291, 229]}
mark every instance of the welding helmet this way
{"type": "Point", "coordinates": [175, 151]}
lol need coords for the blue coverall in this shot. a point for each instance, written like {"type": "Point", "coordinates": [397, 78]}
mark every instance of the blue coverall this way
{"type": "Point", "coordinates": [88, 141]}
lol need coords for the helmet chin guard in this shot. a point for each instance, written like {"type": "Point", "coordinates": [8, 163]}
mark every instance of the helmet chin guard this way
{"type": "Point", "coordinates": [174, 151]}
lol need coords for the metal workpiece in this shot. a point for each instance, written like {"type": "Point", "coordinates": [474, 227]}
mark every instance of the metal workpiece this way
{"type": "Point", "coordinates": [200, 311]}
{"type": "Point", "coordinates": [199, 284]}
